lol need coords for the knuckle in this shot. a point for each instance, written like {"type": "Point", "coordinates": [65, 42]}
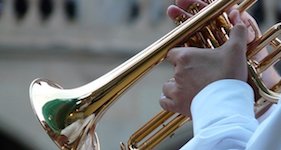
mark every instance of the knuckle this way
{"type": "Point", "coordinates": [241, 27]}
{"type": "Point", "coordinates": [165, 89]}
{"type": "Point", "coordinates": [241, 31]}
{"type": "Point", "coordinates": [184, 57]}
{"type": "Point", "coordinates": [178, 77]}
{"type": "Point", "coordinates": [236, 46]}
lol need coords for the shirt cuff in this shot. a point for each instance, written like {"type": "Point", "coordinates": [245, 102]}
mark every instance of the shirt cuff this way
{"type": "Point", "coordinates": [220, 100]}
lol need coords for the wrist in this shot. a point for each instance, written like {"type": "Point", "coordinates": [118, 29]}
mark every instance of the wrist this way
{"type": "Point", "coordinates": [221, 99]}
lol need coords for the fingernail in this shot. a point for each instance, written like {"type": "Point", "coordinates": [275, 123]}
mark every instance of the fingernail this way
{"type": "Point", "coordinates": [162, 96]}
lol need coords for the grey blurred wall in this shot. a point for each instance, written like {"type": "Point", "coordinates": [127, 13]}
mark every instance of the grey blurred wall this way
{"type": "Point", "coordinates": [74, 42]}
{"type": "Point", "coordinates": [75, 49]}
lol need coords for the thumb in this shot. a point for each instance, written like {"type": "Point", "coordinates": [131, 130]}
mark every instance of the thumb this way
{"type": "Point", "coordinates": [234, 51]}
{"type": "Point", "coordinates": [239, 33]}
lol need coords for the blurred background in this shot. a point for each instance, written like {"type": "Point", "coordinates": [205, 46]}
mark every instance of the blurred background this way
{"type": "Point", "coordinates": [73, 42]}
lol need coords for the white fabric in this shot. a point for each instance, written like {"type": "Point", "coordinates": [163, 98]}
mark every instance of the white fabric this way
{"type": "Point", "coordinates": [223, 119]}
{"type": "Point", "coordinates": [268, 134]}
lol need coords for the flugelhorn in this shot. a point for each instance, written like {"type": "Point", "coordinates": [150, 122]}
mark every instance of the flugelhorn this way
{"type": "Point", "coordinates": [70, 116]}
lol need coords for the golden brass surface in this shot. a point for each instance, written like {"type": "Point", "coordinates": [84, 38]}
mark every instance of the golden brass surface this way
{"type": "Point", "coordinates": [70, 116]}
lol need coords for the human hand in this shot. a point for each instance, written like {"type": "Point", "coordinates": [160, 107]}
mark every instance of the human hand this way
{"type": "Point", "coordinates": [195, 68]}
{"type": "Point", "coordinates": [179, 10]}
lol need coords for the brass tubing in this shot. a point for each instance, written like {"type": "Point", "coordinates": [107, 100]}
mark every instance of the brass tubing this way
{"type": "Point", "coordinates": [116, 81]}
{"type": "Point", "coordinates": [256, 69]}
{"type": "Point", "coordinates": [71, 115]}
{"type": "Point", "coordinates": [162, 134]}
{"type": "Point", "coordinates": [261, 42]}
{"type": "Point", "coordinates": [244, 5]}
{"type": "Point", "coordinates": [159, 137]}
{"type": "Point", "coordinates": [276, 43]}
{"type": "Point", "coordinates": [188, 28]}
{"type": "Point", "coordinates": [150, 126]}
{"type": "Point", "coordinates": [269, 59]}
{"type": "Point", "coordinates": [277, 87]}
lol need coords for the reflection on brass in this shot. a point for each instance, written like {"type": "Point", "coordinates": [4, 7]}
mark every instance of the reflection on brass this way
{"type": "Point", "coordinates": [70, 116]}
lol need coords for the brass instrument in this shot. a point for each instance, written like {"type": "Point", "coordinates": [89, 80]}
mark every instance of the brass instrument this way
{"type": "Point", "coordinates": [70, 116]}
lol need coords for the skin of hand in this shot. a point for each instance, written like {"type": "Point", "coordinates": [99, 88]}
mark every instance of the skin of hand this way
{"type": "Point", "coordinates": [178, 99]}
{"type": "Point", "coordinates": [195, 68]}
{"type": "Point", "coordinates": [270, 76]}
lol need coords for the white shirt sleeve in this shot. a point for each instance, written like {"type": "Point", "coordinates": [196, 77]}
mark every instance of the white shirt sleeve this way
{"type": "Point", "coordinates": [223, 116]}
{"type": "Point", "coordinates": [268, 134]}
